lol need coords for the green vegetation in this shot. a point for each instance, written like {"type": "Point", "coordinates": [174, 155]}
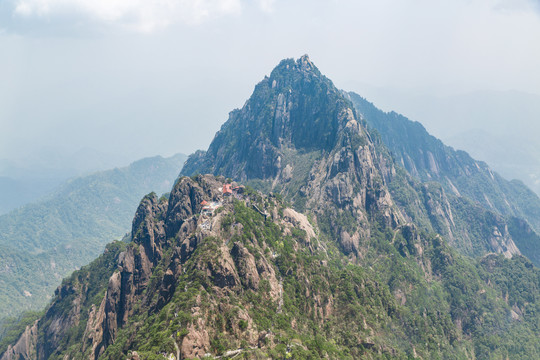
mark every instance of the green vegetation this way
{"type": "Point", "coordinates": [410, 293]}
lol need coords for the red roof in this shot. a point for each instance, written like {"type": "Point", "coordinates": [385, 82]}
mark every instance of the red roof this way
{"type": "Point", "coordinates": [227, 189]}
{"type": "Point", "coordinates": [204, 202]}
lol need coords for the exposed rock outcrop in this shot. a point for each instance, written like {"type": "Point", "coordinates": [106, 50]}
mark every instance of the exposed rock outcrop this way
{"type": "Point", "coordinates": [25, 347]}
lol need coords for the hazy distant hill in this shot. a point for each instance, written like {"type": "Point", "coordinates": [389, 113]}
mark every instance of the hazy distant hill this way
{"type": "Point", "coordinates": [17, 192]}
{"type": "Point", "coordinates": [43, 242]}
{"type": "Point", "coordinates": [512, 156]}
{"type": "Point", "coordinates": [27, 178]}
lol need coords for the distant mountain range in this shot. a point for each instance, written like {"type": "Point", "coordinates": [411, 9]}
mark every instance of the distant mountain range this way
{"type": "Point", "coordinates": [17, 192]}
{"type": "Point", "coordinates": [27, 178]}
{"type": "Point", "coordinates": [42, 242]}
{"type": "Point", "coordinates": [513, 156]}
{"type": "Point", "coordinates": [498, 127]}
{"type": "Point", "coordinates": [315, 226]}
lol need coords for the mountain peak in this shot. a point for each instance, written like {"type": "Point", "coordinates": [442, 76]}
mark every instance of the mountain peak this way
{"type": "Point", "coordinates": [290, 71]}
{"type": "Point", "coordinates": [305, 63]}
{"type": "Point", "coordinates": [296, 108]}
{"type": "Point", "coordinates": [304, 57]}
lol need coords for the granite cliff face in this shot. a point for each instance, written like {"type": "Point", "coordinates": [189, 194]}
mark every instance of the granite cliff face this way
{"type": "Point", "coordinates": [427, 159]}
{"type": "Point", "coordinates": [25, 347]}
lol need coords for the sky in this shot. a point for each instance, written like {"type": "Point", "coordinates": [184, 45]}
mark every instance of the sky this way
{"type": "Point", "coordinates": [135, 78]}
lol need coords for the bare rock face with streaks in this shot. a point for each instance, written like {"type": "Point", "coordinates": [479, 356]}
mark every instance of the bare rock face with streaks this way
{"type": "Point", "coordinates": [154, 223]}
{"type": "Point", "coordinates": [25, 347]}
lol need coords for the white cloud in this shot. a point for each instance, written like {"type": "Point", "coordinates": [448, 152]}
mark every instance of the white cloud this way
{"type": "Point", "coordinates": [523, 5]}
{"type": "Point", "coordinates": [139, 15]}
{"type": "Point", "coordinates": [267, 5]}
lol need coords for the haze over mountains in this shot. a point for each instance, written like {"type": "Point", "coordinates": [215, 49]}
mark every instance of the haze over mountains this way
{"type": "Point", "coordinates": [30, 176]}
{"type": "Point", "coordinates": [369, 239]}
{"type": "Point", "coordinates": [314, 219]}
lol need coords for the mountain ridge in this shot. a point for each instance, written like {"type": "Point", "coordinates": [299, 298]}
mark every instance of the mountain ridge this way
{"type": "Point", "coordinates": [427, 159]}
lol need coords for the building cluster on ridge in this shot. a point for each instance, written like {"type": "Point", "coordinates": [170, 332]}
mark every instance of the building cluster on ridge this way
{"type": "Point", "coordinates": [208, 208]}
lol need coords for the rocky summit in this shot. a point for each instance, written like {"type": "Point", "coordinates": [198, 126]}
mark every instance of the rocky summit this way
{"type": "Point", "coordinates": [298, 234]}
